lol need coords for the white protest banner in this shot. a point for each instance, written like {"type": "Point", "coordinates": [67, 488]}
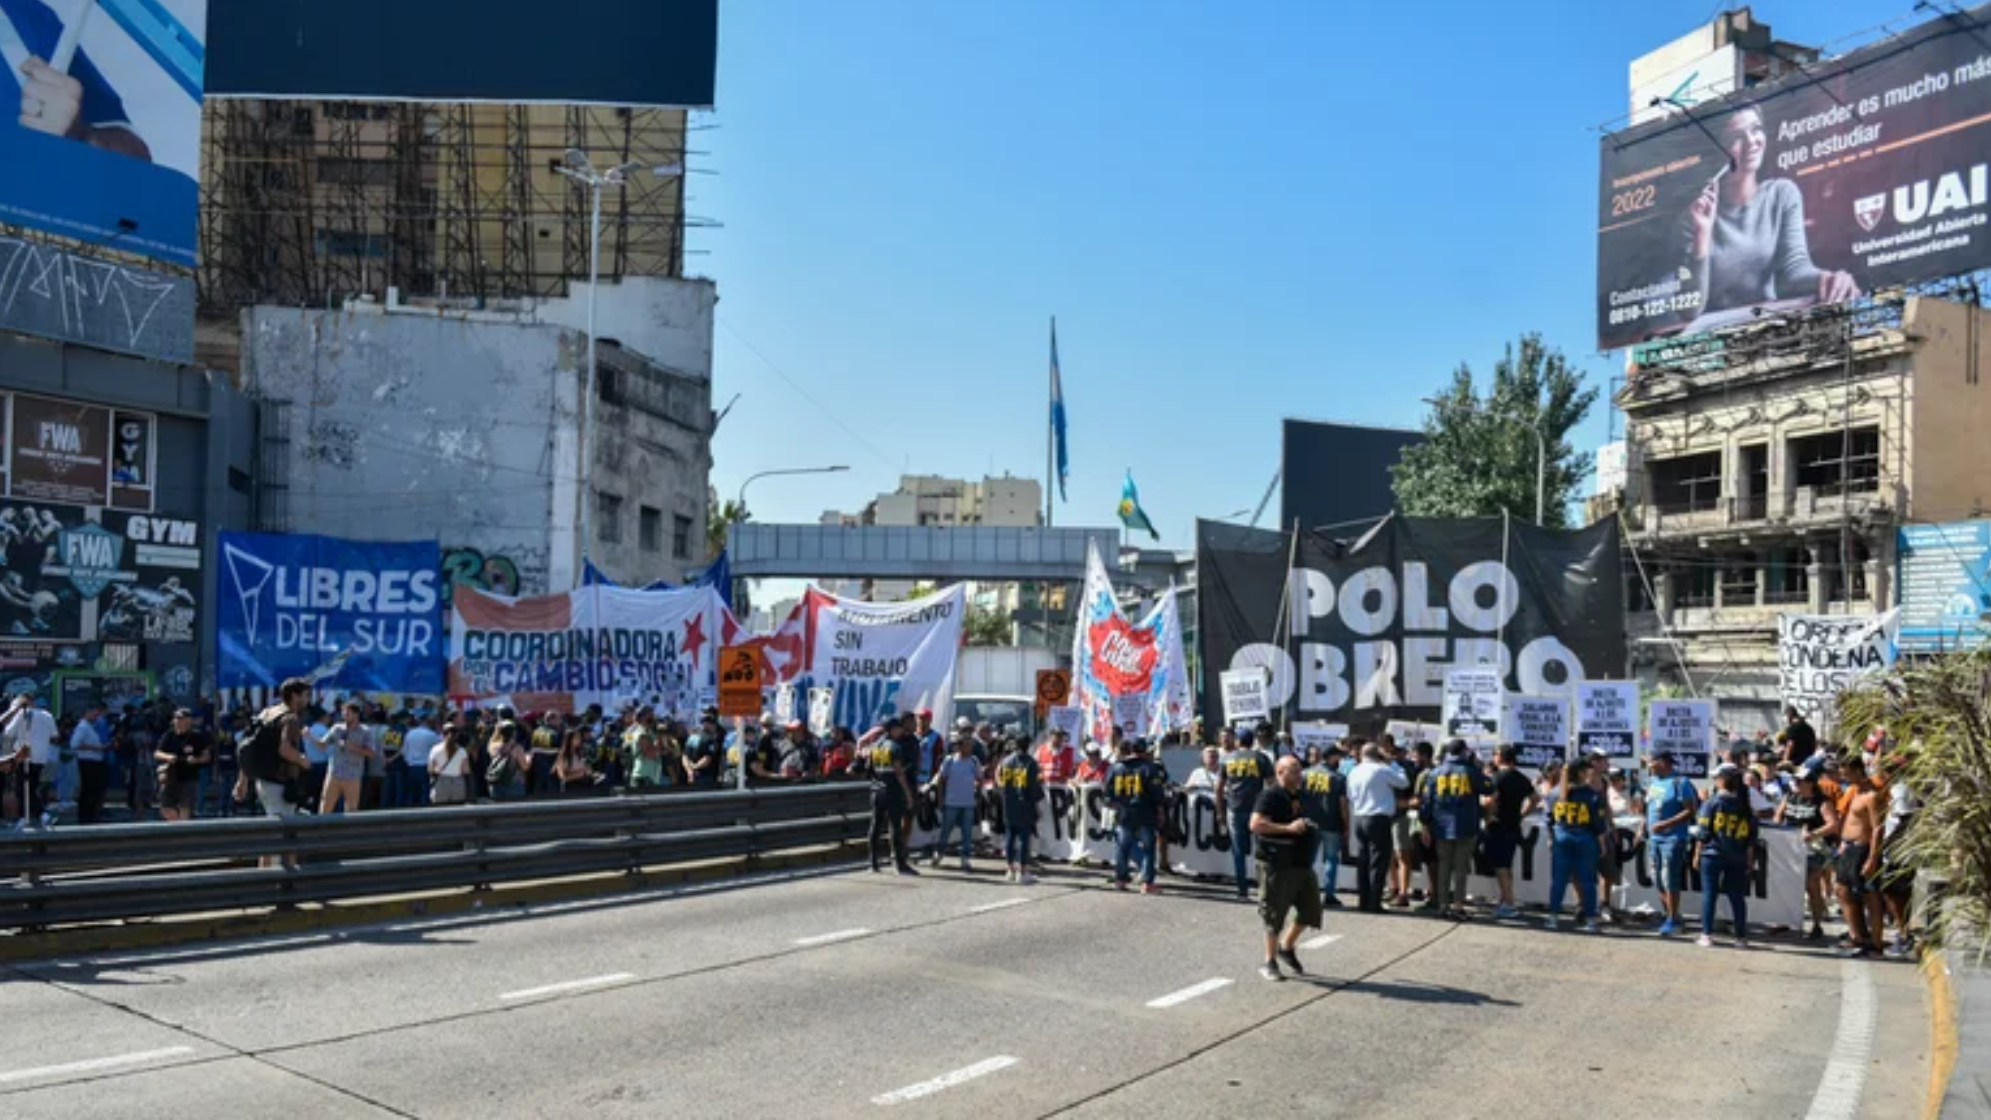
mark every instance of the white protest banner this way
{"type": "Point", "coordinates": [822, 706]}
{"type": "Point", "coordinates": [1068, 719]}
{"type": "Point", "coordinates": [882, 659]}
{"type": "Point", "coordinates": [1819, 655]}
{"type": "Point", "coordinates": [1208, 848]}
{"type": "Point", "coordinates": [1472, 703]}
{"type": "Point", "coordinates": [1607, 717]}
{"type": "Point", "coordinates": [1245, 695]}
{"type": "Point", "coordinates": [1130, 714]}
{"type": "Point", "coordinates": [587, 646]}
{"type": "Point", "coordinates": [1322, 735]}
{"type": "Point", "coordinates": [1410, 733]}
{"type": "Point", "coordinates": [1539, 726]}
{"type": "Point", "coordinates": [1683, 729]}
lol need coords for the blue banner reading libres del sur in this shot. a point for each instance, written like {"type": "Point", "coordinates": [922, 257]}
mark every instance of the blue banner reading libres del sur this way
{"type": "Point", "coordinates": [357, 615]}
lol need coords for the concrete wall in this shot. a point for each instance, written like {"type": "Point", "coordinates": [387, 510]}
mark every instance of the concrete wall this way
{"type": "Point", "coordinates": [654, 452]}
{"type": "Point", "coordinates": [407, 426]}
{"type": "Point", "coordinates": [1950, 468]}
{"type": "Point", "coordinates": [666, 321]}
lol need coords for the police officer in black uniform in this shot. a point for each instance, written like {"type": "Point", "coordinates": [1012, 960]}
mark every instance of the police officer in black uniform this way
{"type": "Point", "coordinates": [891, 759]}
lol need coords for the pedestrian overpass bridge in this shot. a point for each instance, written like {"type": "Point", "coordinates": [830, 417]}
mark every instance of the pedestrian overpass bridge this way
{"type": "Point", "coordinates": [936, 554]}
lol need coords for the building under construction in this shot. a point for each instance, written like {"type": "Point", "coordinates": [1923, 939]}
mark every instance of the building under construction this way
{"type": "Point", "coordinates": [312, 203]}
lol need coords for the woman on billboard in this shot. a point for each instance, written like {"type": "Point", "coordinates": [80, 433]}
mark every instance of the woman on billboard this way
{"type": "Point", "coordinates": [1745, 234]}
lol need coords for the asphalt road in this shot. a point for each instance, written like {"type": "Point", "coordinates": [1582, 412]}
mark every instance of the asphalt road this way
{"type": "Point", "coordinates": [845, 993]}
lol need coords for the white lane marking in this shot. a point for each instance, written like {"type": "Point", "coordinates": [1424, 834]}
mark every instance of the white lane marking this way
{"type": "Point", "coordinates": [570, 985]}
{"type": "Point", "coordinates": [1845, 1076]}
{"type": "Point", "coordinates": [1191, 992]}
{"type": "Point", "coordinates": [1321, 942]}
{"type": "Point", "coordinates": [945, 1081]}
{"type": "Point", "coordinates": [826, 938]}
{"type": "Point", "coordinates": [94, 1064]}
{"type": "Point", "coordinates": [1003, 905]}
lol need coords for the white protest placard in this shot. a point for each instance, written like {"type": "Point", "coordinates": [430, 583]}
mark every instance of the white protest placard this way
{"type": "Point", "coordinates": [1685, 730]}
{"type": "Point", "coordinates": [784, 701]}
{"type": "Point", "coordinates": [822, 709]}
{"type": "Point", "coordinates": [1068, 719]}
{"type": "Point", "coordinates": [1607, 717]}
{"type": "Point", "coordinates": [1130, 714]}
{"type": "Point", "coordinates": [1410, 733]}
{"type": "Point", "coordinates": [1472, 703]}
{"type": "Point", "coordinates": [1819, 655]}
{"type": "Point", "coordinates": [1322, 735]}
{"type": "Point", "coordinates": [1245, 698]}
{"type": "Point", "coordinates": [1539, 727]}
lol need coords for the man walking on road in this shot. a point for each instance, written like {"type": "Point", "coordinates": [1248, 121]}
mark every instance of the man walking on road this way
{"type": "Point", "coordinates": [1136, 786]}
{"type": "Point", "coordinates": [891, 759]}
{"type": "Point", "coordinates": [1372, 797]}
{"type": "Point", "coordinates": [1285, 868]}
{"type": "Point", "coordinates": [1449, 808]}
{"type": "Point", "coordinates": [1246, 770]}
{"type": "Point", "coordinates": [1022, 785]}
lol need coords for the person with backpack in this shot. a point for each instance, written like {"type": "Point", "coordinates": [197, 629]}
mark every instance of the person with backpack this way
{"type": "Point", "coordinates": [272, 755]}
{"type": "Point", "coordinates": [510, 762]}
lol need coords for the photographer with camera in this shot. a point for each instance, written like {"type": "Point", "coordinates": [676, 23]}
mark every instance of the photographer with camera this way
{"type": "Point", "coordinates": [30, 730]}
{"type": "Point", "coordinates": [272, 755]}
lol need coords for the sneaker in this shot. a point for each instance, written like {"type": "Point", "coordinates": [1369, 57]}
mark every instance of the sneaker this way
{"type": "Point", "coordinates": [875, 869]}
{"type": "Point", "coordinates": [1027, 879]}
{"type": "Point", "coordinates": [908, 871]}
{"type": "Point", "coordinates": [1150, 888]}
{"type": "Point", "coordinates": [1860, 952]}
{"type": "Point", "coordinates": [1704, 941]}
{"type": "Point", "coordinates": [1551, 923]}
{"type": "Point", "coordinates": [1897, 952]}
{"type": "Point", "coordinates": [1591, 926]}
{"type": "Point", "coordinates": [1270, 970]}
{"type": "Point", "coordinates": [1292, 961]}
{"type": "Point", "coordinates": [1668, 928]}
{"type": "Point", "coordinates": [1505, 912]}
{"type": "Point", "coordinates": [1742, 943]}
{"type": "Point", "coordinates": [1120, 884]}
{"type": "Point", "coordinates": [966, 869]}
{"type": "Point", "coordinates": [1330, 899]}
{"type": "Point", "coordinates": [1817, 934]}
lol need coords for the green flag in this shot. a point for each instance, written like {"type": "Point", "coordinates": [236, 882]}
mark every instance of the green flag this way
{"type": "Point", "coordinates": [1131, 513]}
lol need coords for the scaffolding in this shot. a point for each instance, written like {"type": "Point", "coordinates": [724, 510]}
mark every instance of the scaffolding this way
{"type": "Point", "coordinates": [311, 203]}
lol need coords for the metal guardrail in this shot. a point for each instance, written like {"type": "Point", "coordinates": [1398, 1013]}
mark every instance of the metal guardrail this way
{"type": "Point", "coordinates": [399, 851]}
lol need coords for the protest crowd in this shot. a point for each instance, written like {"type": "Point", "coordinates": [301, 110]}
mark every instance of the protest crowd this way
{"type": "Point", "coordinates": [1412, 821]}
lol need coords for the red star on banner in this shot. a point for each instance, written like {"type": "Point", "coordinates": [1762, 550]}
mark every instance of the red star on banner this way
{"type": "Point", "coordinates": [694, 637]}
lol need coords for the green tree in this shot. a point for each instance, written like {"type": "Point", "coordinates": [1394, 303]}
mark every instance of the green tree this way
{"type": "Point", "coordinates": [724, 516]}
{"type": "Point", "coordinates": [1478, 457]}
{"type": "Point", "coordinates": [1937, 712]}
{"type": "Point", "coordinates": [984, 627]}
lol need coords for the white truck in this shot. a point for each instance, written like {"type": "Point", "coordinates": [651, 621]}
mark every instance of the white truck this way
{"type": "Point", "coordinates": [998, 685]}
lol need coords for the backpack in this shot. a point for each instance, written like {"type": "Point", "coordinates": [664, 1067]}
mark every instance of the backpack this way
{"type": "Point", "coordinates": [503, 770]}
{"type": "Point", "coordinates": [261, 757]}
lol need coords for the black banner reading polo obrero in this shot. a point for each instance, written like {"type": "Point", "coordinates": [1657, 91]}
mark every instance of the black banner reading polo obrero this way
{"type": "Point", "coordinates": [1371, 626]}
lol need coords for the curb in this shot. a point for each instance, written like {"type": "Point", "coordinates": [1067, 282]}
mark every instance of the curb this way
{"type": "Point", "coordinates": [1960, 1029]}
{"type": "Point", "coordinates": [310, 917]}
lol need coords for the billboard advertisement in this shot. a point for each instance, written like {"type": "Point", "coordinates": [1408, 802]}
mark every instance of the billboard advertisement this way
{"type": "Point", "coordinates": [659, 53]}
{"type": "Point", "coordinates": [1861, 173]}
{"type": "Point", "coordinates": [362, 615]}
{"type": "Point", "coordinates": [82, 454]}
{"type": "Point", "coordinates": [100, 122]}
{"type": "Point", "coordinates": [1945, 581]}
{"type": "Point", "coordinates": [78, 575]}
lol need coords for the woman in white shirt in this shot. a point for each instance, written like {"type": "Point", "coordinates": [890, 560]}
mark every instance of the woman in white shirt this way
{"type": "Point", "coordinates": [449, 769]}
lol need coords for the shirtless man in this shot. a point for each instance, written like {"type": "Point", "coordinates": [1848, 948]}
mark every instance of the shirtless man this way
{"type": "Point", "coordinates": [1859, 861]}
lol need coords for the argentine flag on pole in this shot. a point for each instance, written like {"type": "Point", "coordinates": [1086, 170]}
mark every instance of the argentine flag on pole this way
{"type": "Point", "coordinates": [1058, 414]}
{"type": "Point", "coordinates": [1131, 513]}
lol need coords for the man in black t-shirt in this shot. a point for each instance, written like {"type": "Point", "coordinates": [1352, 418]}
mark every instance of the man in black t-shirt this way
{"type": "Point", "coordinates": [1797, 738]}
{"type": "Point", "coordinates": [1512, 799]}
{"type": "Point", "coordinates": [1414, 763]}
{"type": "Point", "coordinates": [891, 757]}
{"type": "Point", "coordinates": [1286, 884]}
{"type": "Point", "coordinates": [181, 753]}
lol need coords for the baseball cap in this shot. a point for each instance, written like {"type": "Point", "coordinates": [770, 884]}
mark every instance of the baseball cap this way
{"type": "Point", "coordinates": [924, 713]}
{"type": "Point", "coordinates": [963, 723]}
{"type": "Point", "coordinates": [183, 713]}
{"type": "Point", "coordinates": [1458, 748]}
{"type": "Point", "coordinates": [795, 725]}
{"type": "Point", "coordinates": [1599, 752]}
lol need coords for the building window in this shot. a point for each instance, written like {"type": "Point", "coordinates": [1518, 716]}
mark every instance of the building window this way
{"type": "Point", "coordinates": [1689, 484]}
{"type": "Point", "coordinates": [1788, 579]}
{"type": "Point", "coordinates": [1738, 580]}
{"type": "Point", "coordinates": [608, 517]}
{"type": "Point", "coordinates": [1827, 462]}
{"type": "Point", "coordinates": [650, 528]}
{"type": "Point", "coordinates": [681, 537]}
{"type": "Point", "coordinates": [1695, 584]}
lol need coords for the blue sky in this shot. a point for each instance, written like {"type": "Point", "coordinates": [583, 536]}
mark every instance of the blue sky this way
{"type": "Point", "coordinates": [1238, 212]}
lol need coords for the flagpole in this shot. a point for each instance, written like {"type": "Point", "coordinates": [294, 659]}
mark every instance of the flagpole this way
{"type": "Point", "coordinates": [1050, 424]}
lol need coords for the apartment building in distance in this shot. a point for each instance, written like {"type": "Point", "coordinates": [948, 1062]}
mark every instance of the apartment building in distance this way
{"type": "Point", "coordinates": [1768, 472]}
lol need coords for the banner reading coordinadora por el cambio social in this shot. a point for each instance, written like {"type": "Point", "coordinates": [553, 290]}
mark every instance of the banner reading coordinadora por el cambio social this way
{"type": "Point", "coordinates": [289, 604]}
{"type": "Point", "coordinates": [593, 645]}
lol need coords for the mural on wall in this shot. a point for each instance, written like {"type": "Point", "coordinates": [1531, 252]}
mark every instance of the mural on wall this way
{"type": "Point", "coordinates": [494, 574]}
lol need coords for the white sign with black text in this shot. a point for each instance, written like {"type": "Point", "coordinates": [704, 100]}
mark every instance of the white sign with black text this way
{"type": "Point", "coordinates": [1539, 727]}
{"type": "Point", "coordinates": [1685, 730]}
{"type": "Point", "coordinates": [1607, 717]}
{"type": "Point", "coordinates": [1245, 695]}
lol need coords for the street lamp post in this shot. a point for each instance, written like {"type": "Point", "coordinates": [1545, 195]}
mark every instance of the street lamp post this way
{"type": "Point", "coordinates": [1541, 459]}
{"type": "Point", "coordinates": [742, 502]}
{"type": "Point", "coordinates": [580, 169]}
